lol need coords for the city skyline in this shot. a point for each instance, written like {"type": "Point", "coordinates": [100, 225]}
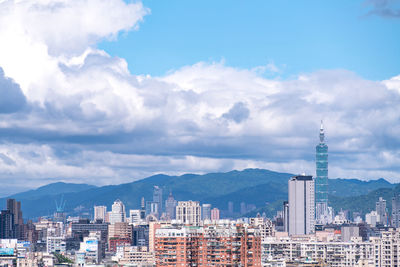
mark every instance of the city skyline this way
{"type": "Point", "coordinates": [99, 103]}
{"type": "Point", "coordinates": [196, 133]}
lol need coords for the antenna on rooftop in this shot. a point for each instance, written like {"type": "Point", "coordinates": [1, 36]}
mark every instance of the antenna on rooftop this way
{"type": "Point", "coordinates": [60, 206]}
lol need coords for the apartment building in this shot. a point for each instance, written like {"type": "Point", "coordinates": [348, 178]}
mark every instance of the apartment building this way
{"type": "Point", "coordinates": [333, 253]}
{"type": "Point", "coordinates": [134, 256]}
{"type": "Point", "coordinates": [386, 248]}
{"type": "Point", "coordinates": [188, 212]}
{"type": "Point", "coordinates": [209, 245]}
{"type": "Point", "coordinates": [119, 234]}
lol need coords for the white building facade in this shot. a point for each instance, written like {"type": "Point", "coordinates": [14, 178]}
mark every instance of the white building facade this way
{"type": "Point", "coordinates": [301, 205]}
{"type": "Point", "coordinates": [117, 212]}
{"type": "Point", "coordinates": [100, 213]}
{"type": "Point", "coordinates": [188, 212]}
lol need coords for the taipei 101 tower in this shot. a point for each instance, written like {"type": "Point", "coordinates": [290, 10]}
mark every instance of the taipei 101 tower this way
{"type": "Point", "coordinates": [321, 181]}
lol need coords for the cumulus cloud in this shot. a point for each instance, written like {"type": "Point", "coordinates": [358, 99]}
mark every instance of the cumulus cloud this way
{"type": "Point", "coordinates": [70, 26]}
{"type": "Point", "coordinates": [238, 113]}
{"type": "Point", "coordinates": [384, 8]}
{"type": "Point", "coordinates": [90, 119]}
{"type": "Point", "coordinates": [11, 97]}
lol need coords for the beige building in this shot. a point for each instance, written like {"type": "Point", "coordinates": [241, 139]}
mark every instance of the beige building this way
{"type": "Point", "coordinates": [136, 256]}
{"type": "Point", "coordinates": [100, 213]}
{"type": "Point", "coordinates": [188, 212]}
{"type": "Point", "coordinates": [120, 229]}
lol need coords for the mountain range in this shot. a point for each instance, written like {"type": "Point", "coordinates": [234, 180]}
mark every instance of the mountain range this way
{"type": "Point", "coordinates": [264, 189]}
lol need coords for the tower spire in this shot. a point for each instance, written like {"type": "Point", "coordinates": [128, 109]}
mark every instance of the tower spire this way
{"type": "Point", "coordinates": [321, 133]}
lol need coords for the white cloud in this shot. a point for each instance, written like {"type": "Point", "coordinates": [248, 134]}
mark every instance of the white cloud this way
{"type": "Point", "coordinates": [36, 35]}
{"type": "Point", "coordinates": [89, 119]}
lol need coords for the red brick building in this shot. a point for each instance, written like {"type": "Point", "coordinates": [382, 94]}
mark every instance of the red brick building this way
{"type": "Point", "coordinates": [211, 245]}
{"type": "Point", "coordinates": [119, 234]}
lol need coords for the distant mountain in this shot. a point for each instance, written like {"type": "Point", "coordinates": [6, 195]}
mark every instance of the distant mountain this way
{"type": "Point", "coordinates": [52, 189]}
{"type": "Point", "coordinates": [365, 203]}
{"type": "Point", "coordinates": [354, 187]}
{"type": "Point", "coordinates": [262, 188]}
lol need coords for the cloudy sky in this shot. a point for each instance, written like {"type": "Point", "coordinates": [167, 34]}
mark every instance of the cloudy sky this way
{"type": "Point", "coordinates": [110, 91]}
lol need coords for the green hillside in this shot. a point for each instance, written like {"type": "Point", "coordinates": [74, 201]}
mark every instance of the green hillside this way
{"type": "Point", "coordinates": [263, 188]}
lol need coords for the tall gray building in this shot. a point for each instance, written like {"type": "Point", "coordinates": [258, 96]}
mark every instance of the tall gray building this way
{"type": "Point", "coordinates": [206, 212]}
{"type": "Point", "coordinates": [381, 211]}
{"type": "Point", "coordinates": [321, 180]}
{"type": "Point", "coordinates": [396, 211]}
{"type": "Point", "coordinates": [301, 205]}
{"type": "Point", "coordinates": [158, 198]}
{"type": "Point", "coordinates": [285, 216]}
{"type": "Point", "coordinates": [170, 206]}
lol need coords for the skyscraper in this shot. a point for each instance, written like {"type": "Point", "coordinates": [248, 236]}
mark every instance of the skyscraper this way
{"type": "Point", "coordinates": [206, 211]}
{"type": "Point", "coordinates": [7, 226]}
{"type": "Point", "coordinates": [142, 209]}
{"type": "Point", "coordinates": [157, 198]}
{"type": "Point", "coordinates": [286, 216]}
{"type": "Point", "coordinates": [396, 211]}
{"type": "Point", "coordinates": [301, 205]}
{"type": "Point", "coordinates": [170, 205]}
{"type": "Point", "coordinates": [117, 212]}
{"type": "Point", "coordinates": [381, 211]}
{"type": "Point", "coordinates": [100, 213]}
{"type": "Point", "coordinates": [17, 227]}
{"type": "Point", "coordinates": [15, 208]}
{"type": "Point", "coordinates": [321, 180]}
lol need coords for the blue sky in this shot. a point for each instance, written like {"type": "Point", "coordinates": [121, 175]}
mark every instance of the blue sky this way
{"type": "Point", "coordinates": [110, 91]}
{"type": "Point", "coordinates": [297, 36]}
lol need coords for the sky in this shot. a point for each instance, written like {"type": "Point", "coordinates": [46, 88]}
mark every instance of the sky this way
{"type": "Point", "coordinates": [111, 91]}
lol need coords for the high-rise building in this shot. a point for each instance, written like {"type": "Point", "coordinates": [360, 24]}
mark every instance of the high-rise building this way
{"type": "Point", "coordinates": [117, 212]}
{"type": "Point", "coordinates": [152, 208]}
{"type": "Point", "coordinates": [83, 228]}
{"type": "Point", "coordinates": [140, 235]}
{"type": "Point", "coordinates": [92, 248]}
{"type": "Point", "coordinates": [372, 218]}
{"type": "Point", "coordinates": [134, 216]}
{"type": "Point", "coordinates": [188, 212]}
{"type": "Point", "coordinates": [7, 226]}
{"type": "Point", "coordinates": [396, 211]}
{"type": "Point", "coordinates": [321, 180]}
{"type": "Point", "coordinates": [15, 208]}
{"type": "Point", "coordinates": [142, 209]}
{"type": "Point", "coordinates": [206, 211]}
{"type": "Point", "coordinates": [381, 211]}
{"type": "Point", "coordinates": [215, 214]}
{"type": "Point", "coordinates": [230, 209]}
{"type": "Point", "coordinates": [119, 234]}
{"type": "Point", "coordinates": [285, 216]}
{"type": "Point", "coordinates": [210, 245]}
{"type": "Point", "coordinates": [301, 205]}
{"type": "Point", "coordinates": [11, 222]}
{"type": "Point", "coordinates": [170, 205]}
{"type": "Point", "coordinates": [157, 198]}
{"type": "Point", "coordinates": [100, 213]}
